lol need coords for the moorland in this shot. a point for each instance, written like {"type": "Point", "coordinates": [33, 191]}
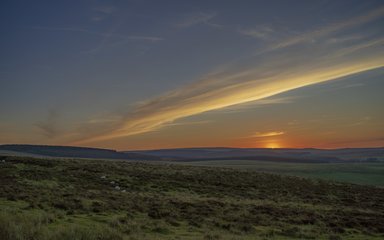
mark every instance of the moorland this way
{"type": "Point", "coordinates": [50, 198]}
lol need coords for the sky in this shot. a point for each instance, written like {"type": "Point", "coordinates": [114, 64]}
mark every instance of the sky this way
{"type": "Point", "coordinates": [148, 74]}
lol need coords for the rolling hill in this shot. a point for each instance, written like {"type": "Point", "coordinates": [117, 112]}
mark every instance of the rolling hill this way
{"type": "Point", "coordinates": [70, 152]}
{"type": "Point", "coordinates": [306, 155]}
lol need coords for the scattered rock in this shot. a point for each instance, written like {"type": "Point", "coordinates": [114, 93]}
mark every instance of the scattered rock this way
{"type": "Point", "coordinates": [117, 188]}
{"type": "Point", "coordinates": [103, 177]}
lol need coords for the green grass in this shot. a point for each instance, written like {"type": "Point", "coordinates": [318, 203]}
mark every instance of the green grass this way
{"type": "Point", "coordinates": [68, 199]}
{"type": "Point", "coordinates": [358, 173]}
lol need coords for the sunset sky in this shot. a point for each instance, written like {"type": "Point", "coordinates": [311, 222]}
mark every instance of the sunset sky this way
{"type": "Point", "coordinates": [148, 74]}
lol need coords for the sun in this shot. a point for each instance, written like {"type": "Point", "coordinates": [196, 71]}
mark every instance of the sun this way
{"type": "Point", "coordinates": [272, 145]}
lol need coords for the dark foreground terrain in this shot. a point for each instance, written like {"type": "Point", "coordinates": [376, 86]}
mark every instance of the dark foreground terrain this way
{"type": "Point", "coordinates": [98, 199]}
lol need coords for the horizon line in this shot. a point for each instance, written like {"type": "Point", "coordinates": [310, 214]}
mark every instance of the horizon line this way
{"type": "Point", "coordinates": [181, 148]}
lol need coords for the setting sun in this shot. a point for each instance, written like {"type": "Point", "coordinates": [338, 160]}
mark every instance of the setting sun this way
{"type": "Point", "coordinates": [272, 145]}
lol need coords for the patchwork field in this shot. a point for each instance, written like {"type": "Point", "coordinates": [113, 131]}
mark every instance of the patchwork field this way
{"type": "Point", "coordinates": [99, 199]}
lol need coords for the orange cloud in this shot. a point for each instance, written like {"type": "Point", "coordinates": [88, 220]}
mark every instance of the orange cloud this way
{"type": "Point", "coordinates": [266, 134]}
{"type": "Point", "coordinates": [271, 73]}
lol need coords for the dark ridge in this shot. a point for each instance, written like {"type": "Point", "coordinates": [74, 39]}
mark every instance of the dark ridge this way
{"type": "Point", "coordinates": [74, 152]}
{"type": "Point", "coordinates": [305, 155]}
{"type": "Point", "coordinates": [280, 154]}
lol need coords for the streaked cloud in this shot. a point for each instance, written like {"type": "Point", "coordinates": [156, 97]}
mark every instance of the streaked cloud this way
{"type": "Point", "coordinates": [100, 13]}
{"type": "Point", "coordinates": [266, 134]}
{"type": "Point", "coordinates": [345, 39]}
{"type": "Point", "coordinates": [260, 103]}
{"type": "Point", "coordinates": [102, 120]}
{"type": "Point", "coordinates": [105, 9]}
{"type": "Point", "coordinates": [145, 38]}
{"type": "Point", "coordinates": [49, 126]}
{"type": "Point", "coordinates": [184, 123]}
{"type": "Point", "coordinates": [275, 71]}
{"type": "Point", "coordinates": [108, 35]}
{"type": "Point", "coordinates": [362, 121]}
{"type": "Point", "coordinates": [346, 86]}
{"type": "Point", "coordinates": [332, 28]}
{"type": "Point", "coordinates": [119, 39]}
{"type": "Point", "coordinates": [261, 32]}
{"type": "Point", "coordinates": [197, 18]}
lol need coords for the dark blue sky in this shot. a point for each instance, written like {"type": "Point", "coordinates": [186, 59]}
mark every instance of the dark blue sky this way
{"type": "Point", "coordinates": [136, 74]}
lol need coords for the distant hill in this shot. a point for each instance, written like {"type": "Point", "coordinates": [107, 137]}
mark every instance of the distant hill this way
{"type": "Point", "coordinates": [70, 152]}
{"type": "Point", "coordinates": [200, 154]}
{"type": "Point", "coordinates": [281, 154]}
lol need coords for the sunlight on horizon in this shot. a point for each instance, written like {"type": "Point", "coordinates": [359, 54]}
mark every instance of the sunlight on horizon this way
{"type": "Point", "coordinates": [273, 145]}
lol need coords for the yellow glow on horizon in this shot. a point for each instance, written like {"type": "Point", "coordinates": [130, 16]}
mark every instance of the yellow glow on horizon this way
{"type": "Point", "coordinates": [273, 145]}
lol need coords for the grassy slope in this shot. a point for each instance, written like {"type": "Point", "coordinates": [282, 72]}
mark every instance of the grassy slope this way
{"type": "Point", "coordinates": [358, 173]}
{"type": "Point", "coordinates": [68, 199]}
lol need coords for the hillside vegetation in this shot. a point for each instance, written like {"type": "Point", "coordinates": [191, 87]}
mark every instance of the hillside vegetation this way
{"type": "Point", "coordinates": [44, 151]}
{"type": "Point", "coordinates": [367, 173]}
{"type": "Point", "coordinates": [97, 199]}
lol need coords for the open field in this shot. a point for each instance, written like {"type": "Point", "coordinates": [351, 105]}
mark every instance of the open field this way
{"type": "Point", "coordinates": [97, 199]}
{"type": "Point", "coordinates": [368, 173]}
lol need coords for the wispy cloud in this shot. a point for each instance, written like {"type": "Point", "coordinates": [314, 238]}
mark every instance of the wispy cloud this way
{"type": "Point", "coordinates": [275, 71]}
{"type": "Point", "coordinates": [82, 30]}
{"type": "Point", "coordinates": [259, 103]}
{"type": "Point", "coordinates": [187, 123]}
{"type": "Point", "coordinates": [100, 13]}
{"type": "Point", "coordinates": [145, 38]}
{"type": "Point", "coordinates": [261, 32]}
{"type": "Point", "coordinates": [120, 39]}
{"type": "Point", "coordinates": [362, 121]}
{"type": "Point", "coordinates": [332, 28]}
{"type": "Point", "coordinates": [347, 86]}
{"type": "Point", "coordinates": [49, 126]}
{"type": "Point", "coordinates": [266, 134]}
{"type": "Point", "coordinates": [102, 120]}
{"type": "Point", "coordinates": [345, 39]}
{"type": "Point", "coordinates": [198, 18]}
{"type": "Point", "coordinates": [105, 9]}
